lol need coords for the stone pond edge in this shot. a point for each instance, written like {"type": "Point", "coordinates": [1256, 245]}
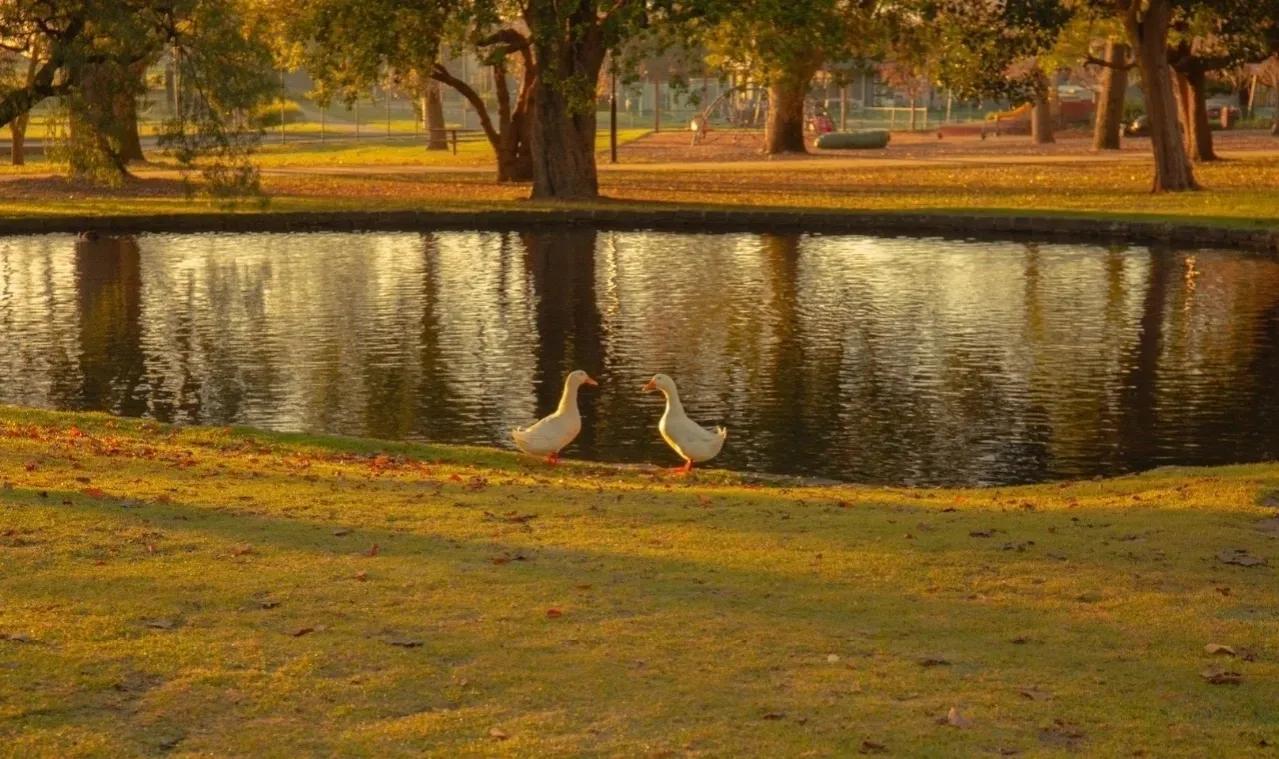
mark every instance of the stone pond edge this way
{"type": "Point", "coordinates": [1070, 229]}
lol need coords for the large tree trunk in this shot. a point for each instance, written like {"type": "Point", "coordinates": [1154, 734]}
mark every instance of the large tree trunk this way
{"type": "Point", "coordinates": [94, 147]}
{"type": "Point", "coordinates": [784, 128]}
{"type": "Point", "coordinates": [1041, 119]}
{"type": "Point", "coordinates": [568, 54]}
{"type": "Point", "coordinates": [125, 108]}
{"type": "Point", "coordinates": [1274, 119]}
{"type": "Point", "coordinates": [433, 114]}
{"type": "Point", "coordinates": [18, 139]}
{"type": "Point", "coordinates": [1110, 107]}
{"type": "Point", "coordinates": [1148, 34]}
{"type": "Point", "coordinates": [562, 145]}
{"type": "Point", "coordinates": [1195, 108]}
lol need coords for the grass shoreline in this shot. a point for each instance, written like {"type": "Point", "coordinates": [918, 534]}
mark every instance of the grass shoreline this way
{"type": "Point", "coordinates": [203, 591]}
{"type": "Point", "coordinates": [1257, 235]}
{"type": "Point", "coordinates": [969, 190]}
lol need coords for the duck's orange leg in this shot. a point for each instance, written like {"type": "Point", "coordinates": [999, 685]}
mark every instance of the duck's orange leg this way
{"type": "Point", "coordinates": [688, 467]}
{"type": "Point", "coordinates": [553, 458]}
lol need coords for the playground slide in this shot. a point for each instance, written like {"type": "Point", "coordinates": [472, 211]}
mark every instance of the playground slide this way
{"type": "Point", "coordinates": [1020, 112]}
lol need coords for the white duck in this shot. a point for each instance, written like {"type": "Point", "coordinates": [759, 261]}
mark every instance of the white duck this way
{"type": "Point", "coordinates": [690, 440]}
{"type": "Point", "coordinates": [552, 433]}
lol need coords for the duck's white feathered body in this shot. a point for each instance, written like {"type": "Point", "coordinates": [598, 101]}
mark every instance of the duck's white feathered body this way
{"type": "Point", "coordinates": [548, 436]}
{"type": "Point", "coordinates": [690, 440]}
{"type": "Point", "coordinates": [693, 442]}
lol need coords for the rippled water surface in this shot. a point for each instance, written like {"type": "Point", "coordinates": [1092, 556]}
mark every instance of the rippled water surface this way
{"type": "Point", "coordinates": [858, 358]}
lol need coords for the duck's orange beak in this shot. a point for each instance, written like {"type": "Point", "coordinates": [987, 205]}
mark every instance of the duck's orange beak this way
{"type": "Point", "coordinates": [649, 386]}
{"type": "Point", "coordinates": [589, 381]}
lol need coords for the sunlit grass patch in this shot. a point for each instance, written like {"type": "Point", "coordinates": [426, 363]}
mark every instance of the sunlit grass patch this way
{"type": "Point", "coordinates": [221, 591]}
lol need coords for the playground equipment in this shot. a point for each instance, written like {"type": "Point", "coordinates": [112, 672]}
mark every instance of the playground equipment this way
{"type": "Point", "coordinates": [1020, 112]}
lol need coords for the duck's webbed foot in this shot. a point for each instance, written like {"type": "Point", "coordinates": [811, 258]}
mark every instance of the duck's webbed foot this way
{"type": "Point", "coordinates": [688, 467]}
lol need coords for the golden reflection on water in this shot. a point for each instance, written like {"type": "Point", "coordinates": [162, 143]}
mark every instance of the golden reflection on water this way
{"type": "Point", "coordinates": [898, 360]}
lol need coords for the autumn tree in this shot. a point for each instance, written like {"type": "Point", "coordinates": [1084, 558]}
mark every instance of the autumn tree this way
{"type": "Point", "coordinates": [994, 49]}
{"type": "Point", "coordinates": [1147, 24]}
{"type": "Point", "coordinates": [782, 44]}
{"type": "Point", "coordinates": [350, 45]}
{"type": "Point", "coordinates": [1211, 36]}
{"type": "Point", "coordinates": [19, 63]}
{"type": "Point", "coordinates": [1115, 61]}
{"type": "Point", "coordinates": [91, 53]}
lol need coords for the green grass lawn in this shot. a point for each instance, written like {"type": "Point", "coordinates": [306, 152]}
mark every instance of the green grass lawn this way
{"type": "Point", "coordinates": [221, 592]}
{"type": "Point", "coordinates": [1243, 192]}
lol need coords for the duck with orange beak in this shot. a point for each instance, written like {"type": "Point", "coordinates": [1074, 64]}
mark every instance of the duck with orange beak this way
{"type": "Point", "coordinates": [690, 440]}
{"type": "Point", "coordinates": [551, 433]}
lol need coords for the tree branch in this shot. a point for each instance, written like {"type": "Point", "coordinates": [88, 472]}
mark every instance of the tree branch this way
{"type": "Point", "coordinates": [1092, 60]}
{"type": "Point", "coordinates": [441, 74]}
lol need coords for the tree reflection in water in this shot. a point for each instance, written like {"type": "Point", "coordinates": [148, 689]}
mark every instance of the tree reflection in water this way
{"type": "Point", "coordinates": [894, 360]}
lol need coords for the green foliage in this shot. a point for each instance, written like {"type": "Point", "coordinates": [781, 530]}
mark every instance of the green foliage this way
{"type": "Point", "coordinates": [223, 73]}
{"type": "Point", "coordinates": [348, 46]}
{"type": "Point", "coordinates": [991, 49]}
{"type": "Point", "coordinates": [772, 41]}
{"type": "Point", "coordinates": [279, 110]}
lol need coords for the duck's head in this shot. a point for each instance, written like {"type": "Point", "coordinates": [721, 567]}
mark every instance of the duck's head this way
{"type": "Point", "coordinates": [660, 382]}
{"type": "Point", "coordinates": [577, 378]}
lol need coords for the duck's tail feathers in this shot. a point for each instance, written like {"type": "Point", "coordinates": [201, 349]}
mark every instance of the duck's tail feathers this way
{"type": "Point", "coordinates": [722, 432]}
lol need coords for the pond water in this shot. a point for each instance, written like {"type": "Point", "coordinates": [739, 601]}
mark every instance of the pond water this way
{"type": "Point", "coordinates": [918, 361]}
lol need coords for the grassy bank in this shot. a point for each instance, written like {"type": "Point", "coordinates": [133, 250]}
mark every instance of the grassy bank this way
{"type": "Point", "coordinates": [1241, 193]}
{"type": "Point", "coordinates": [220, 592]}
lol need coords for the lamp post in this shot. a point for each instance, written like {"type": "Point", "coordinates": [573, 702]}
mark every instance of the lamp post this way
{"type": "Point", "coordinates": [612, 118]}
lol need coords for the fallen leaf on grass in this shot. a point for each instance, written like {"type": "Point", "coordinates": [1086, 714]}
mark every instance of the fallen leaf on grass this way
{"type": "Point", "coordinates": [832, 658]}
{"type": "Point", "coordinates": [1240, 557]}
{"type": "Point", "coordinates": [299, 632]}
{"type": "Point", "coordinates": [1269, 526]}
{"type": "Point", "coordinates": [498, 733]}
{"type": "Point", "coordinates": [361, 576]}
{"type": "Point", "coordinates": [773, 715]}
{"type": "Point", "coordinates": [554, 613]}
{"type": "Point", "coordinates": [981, 534]}
{"type": "Point", "coordinates": [160, 624]}
{"type": "Point", "coordinates": [244, 550]}
{"type": "Point", "coordinates": [511, 517]}
{"type": "Point", "coordinates": [873, 747]}
{"type": "Point", "coordinates": [1219, 649]}
{"type": "Point", "coordinates": [1035, 694]}
{"type": "Point", "coordinates": [405, 642]}
{"type": "Point", "coordinates": [17, 638]}
{"type": "Point", "coordinates": [955, 718]}
{"type": "Point", "coordinates": [507, 558]}
{"type": "Point", "coordinates": [268, 603]}
{"type": "Point", "coordinates": [340, 533]}
{"type": "Point", "coordinates": [373, 551]}
{"type": "Point", "coordinates": [933, 661]}
{"type": "Point", "coordinates": [1221, 676]}
{"type": "Point", "coordinates": [1062, 734]}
